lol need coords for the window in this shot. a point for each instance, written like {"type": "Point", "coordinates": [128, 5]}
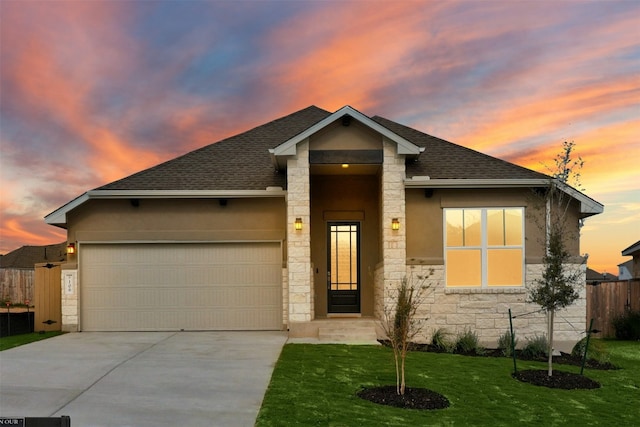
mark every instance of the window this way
{"type": "Point", "coordinates": [484, 247]}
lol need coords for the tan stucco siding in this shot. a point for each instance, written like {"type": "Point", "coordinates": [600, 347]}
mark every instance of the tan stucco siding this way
{"type": "Point", "coordinates": [352, 137]}
{"type": "Point", "coordinates": [425, 221]}
{"type": "Point", "coordinates": [178, 220]}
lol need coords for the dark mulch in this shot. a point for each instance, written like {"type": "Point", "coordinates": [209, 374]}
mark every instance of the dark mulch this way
{"type": "Point", "coordinates": [559, 379]}
{"type": "Point", "coordinates": [413, 398]}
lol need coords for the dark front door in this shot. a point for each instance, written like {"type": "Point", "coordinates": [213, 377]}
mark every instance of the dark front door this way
{"type": "Point", "coordinates": [343, 275]}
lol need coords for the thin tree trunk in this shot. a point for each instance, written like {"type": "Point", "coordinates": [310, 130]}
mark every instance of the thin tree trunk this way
{"type": "Point", "coordinates": [550, 343]}
{"type": "Point", "coordinates": [395, 356]}
{"type": "Point", "coordinates": [403, 357]}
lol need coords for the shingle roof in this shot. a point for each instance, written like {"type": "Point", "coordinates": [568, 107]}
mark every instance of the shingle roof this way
{"type": "Point", "coordinates": [27, 256]}
{"type": "Point", "coordinates": [242, 162]}
{"type": "Point", "coordinates": [445, 160]}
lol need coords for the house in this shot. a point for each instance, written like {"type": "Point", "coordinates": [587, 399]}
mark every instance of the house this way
{"type": "Point", "coordinates": [594, 277]}
{"type": "Point", "coordinates": [310, 219]}
{"type": "Point", "coordinates": [17, 270]}
{"type": "Point", "coordinates": [634, 268]}
{"type": "Point", "coordinates": [624, 270]}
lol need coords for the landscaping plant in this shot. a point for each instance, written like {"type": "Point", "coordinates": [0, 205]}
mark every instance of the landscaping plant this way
{"type": "Point", "coordinates": [627, 325]}
{"type": "Point", "coordinates": [401, 324]}
{"type": "Point", "coordinates": [558, 287]}
{"type": "Point", "coordinates": [504, 343]}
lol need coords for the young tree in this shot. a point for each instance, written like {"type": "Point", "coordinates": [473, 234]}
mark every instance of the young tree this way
{"type": "Point", "coordinates": [401, 324]}
{"type": "Point", "coordinates": [560, 282]}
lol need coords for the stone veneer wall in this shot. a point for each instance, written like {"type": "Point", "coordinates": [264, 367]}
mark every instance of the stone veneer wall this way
{"type": "Point", "coordinates": [394, 242]}
{"type": "Point", "coordinates": [299, 241]}
{"type": "Point", "coordinates": [486, 311]}
{"type": "Point", "coordinates": [69, 296]}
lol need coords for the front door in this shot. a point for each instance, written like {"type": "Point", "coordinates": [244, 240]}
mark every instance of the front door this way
{"type": "Point", "coordinates": [343, 275]}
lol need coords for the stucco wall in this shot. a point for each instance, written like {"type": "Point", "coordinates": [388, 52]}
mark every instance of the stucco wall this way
{"type": "Point", "coordinates": [178, 220]}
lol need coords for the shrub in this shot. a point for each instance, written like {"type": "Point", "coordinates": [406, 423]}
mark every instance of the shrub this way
{"type": "Point", "coordinates": [467, 342]}
{"type": "Point", "coordinates": [440, 340]}
{"type": "Point", "coordinates": [536, 347]}
{"type": "Point", "coordinates": [504, 343]}
{"type": "Point", "coordinates": [596, 351]}
{"type": "Point", "coordinates": [627, 325]}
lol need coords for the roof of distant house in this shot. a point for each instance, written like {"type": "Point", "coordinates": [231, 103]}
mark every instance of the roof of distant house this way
{"type": "Point", "coordinates": [27, 256]}
{"type": "Point", "coordinates": [593, 276]}
{"type": "Point", "coordinates": [631, 249]}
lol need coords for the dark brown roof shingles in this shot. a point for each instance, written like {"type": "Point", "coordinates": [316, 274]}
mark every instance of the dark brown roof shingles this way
{"type": "Point", "coordinates": [243, 162]}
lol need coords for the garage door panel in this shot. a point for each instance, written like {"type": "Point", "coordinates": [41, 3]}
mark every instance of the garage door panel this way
{"type": "Point", "coordinates": [181, 286]}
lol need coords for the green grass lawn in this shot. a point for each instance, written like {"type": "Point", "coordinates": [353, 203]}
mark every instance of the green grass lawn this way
{"type": "Point", "coordinates": [316, 385]}
{"type": "Point", "coordinates": [17, 340]}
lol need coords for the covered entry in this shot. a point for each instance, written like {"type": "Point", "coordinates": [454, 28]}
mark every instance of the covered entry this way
{"type": "Point", "coordinates": [175, 286]}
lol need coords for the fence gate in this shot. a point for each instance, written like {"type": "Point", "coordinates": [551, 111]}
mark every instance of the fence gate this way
{"type": "Point", "coordinates": [606, 300]}
{"type": "Point", "coordinates": [48, 297]}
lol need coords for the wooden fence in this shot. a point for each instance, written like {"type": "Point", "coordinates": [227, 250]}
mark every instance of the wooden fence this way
{"type": "Point", "coordinates": [607, 300]}
{"type": "Point", "coordinates": [16, 285]}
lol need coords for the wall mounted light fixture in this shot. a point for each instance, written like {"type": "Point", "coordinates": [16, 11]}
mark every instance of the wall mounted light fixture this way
{"type": "Point", "coordinates": [71, 248]}
{"type": "Point", "coordinates": [298, 224]}
{"type": "Point", "coordinates": [395, 224]}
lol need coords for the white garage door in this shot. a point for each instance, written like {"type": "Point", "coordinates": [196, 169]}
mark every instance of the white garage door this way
{"type": "Point", "coordinates": [158, 287]}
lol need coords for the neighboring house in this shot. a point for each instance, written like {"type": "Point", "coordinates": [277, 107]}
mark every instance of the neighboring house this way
{"type": "Point", "coordinates": [624, 270]}
{"type": "Point", "coordinates": [17, 270]}
{"type": "Point", "coordinates": [633, 251]}
{"type": "Point", "coordinates": [312, 216]}
{"type": "Point", "coordinates": [595, 277]}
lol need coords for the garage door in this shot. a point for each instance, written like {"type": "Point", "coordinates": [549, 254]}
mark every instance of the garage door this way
{"type": "Point", "coordinates": [158, 287]}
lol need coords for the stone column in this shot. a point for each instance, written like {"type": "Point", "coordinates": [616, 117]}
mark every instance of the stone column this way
{"type": "Point", "coordinates": [299, 241]}
{"type": "Point", "coordinates": [394, 254]}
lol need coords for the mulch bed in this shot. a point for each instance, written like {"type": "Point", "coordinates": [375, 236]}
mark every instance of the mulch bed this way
{"type": "Point", "coordinates": [559, 379]}
{"type": "Point", "coordinates": [413, 398]}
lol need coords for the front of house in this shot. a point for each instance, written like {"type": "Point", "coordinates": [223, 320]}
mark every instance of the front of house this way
{"type": "Point", "coordinates": [313, 216]}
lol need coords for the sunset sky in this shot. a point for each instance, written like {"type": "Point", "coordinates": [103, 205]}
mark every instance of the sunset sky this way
{"type": "Point", "coordinates": [93, 91]}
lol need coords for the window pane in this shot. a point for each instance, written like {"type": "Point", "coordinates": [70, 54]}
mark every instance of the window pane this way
{"type": "Point", "coordinates": [513, 226]}
{"type": "Point", "coordinates": [495, 227]}
{"type": "Point", "coordinates": [504, 267]}
{"type": "Point", "coordinates": [454, 227]}
{"type": "Point", "coordinates": [472, 227]}
{"type": "Point", "coordinates": [464, 267]}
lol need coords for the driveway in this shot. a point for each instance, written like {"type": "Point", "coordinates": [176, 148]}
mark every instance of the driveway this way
{"type": "Point", "coordinates": [141, 378]}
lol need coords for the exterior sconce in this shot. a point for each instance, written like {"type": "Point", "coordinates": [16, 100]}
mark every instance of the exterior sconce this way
{"type": "Point", "coordinates": [298, 224]}
{"type": "Point", "coordinates": [395, 224]}
{"type": "Point", "coordinates": [71, 248]}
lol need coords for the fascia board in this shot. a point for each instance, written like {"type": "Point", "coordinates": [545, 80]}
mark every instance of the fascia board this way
{"type": "Point", "coordinates": [288, 148]}
{"type": "Point", "coordinates": [59, 216]}
{"type": "Point", "coordinates": [185, 194]}
{"type": "Point", "coordinates": [631, 249]}
{"type": "Point", "coordinates": [588, 206]}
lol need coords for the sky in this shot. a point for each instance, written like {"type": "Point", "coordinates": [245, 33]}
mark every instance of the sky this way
{"type": "Point", "coordinates": [92, 91]}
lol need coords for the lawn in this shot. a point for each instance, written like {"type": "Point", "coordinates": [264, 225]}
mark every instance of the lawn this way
{"type": "Point", "coordinates": [17, 340]}
{"type": "Point", "coordinates": [316, 385]}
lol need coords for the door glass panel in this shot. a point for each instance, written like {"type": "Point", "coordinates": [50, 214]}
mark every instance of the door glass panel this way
{"type": "Point", "coordinates": [344, 257]}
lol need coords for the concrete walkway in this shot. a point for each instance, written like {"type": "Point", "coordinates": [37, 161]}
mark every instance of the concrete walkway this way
{"type": "Point", "coordinates": [141, 378]}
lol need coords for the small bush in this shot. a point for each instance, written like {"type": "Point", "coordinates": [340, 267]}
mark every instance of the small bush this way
{"type": "Point", "coordinates": [596, 351]}
{"type": "Point", "coordinates": [627, 325]}
{"type": "Point", "coordinates": [467, 342]}
{"type": "Point", "coordinates": [536, 347]}
{"type": "Point", "coordinates": [504, 343]}
{"type": "Point", "coordinates": [440, 340]}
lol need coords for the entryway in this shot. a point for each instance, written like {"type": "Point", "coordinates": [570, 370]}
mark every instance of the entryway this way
{"type": "Point", "coordinates": [343, 275]}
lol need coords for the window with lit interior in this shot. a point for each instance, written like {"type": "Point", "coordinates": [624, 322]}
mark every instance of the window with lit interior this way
{"type": "Point", "coordinates": [484, 247]}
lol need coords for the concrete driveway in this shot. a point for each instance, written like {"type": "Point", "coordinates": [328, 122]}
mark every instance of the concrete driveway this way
{"type": "Point", "coordinates": [141, 378]}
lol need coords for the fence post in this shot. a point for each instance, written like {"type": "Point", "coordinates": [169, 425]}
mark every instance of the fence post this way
{"type": "Point", "coordinates": [513, 344]}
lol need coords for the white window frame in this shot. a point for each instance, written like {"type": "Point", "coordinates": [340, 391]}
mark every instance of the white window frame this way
{"type": "Point", "coordinates": [484, 247]}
